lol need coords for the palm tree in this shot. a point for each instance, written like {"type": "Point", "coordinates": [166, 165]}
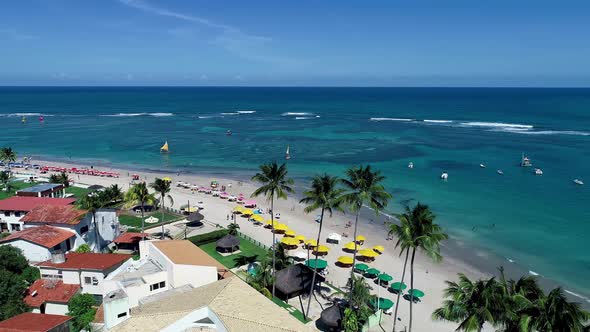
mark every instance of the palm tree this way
{"type": "Point", "coordinates": [114, 193]}
{"type": "Point", "coordinates": [404, 242]}
{"type": "Point", "coordinates": [519, 299]}
{"type": "Point", "coordinates": [61, 178]}
{"type": "Point", "coordinates": [139, 194]}
{"type": "Point", "coordinates": [92, 203]}
{"type": "Point", "coordinates": [7, 155]}
{"type": "Point", "coordinates": [263, 278]}
{"type": "Point", "coordinates": [274, 184]}
{"type": "Point", "coordinates": [162, 187]}
{"type": "Point", "coordinates": [360, 299]}
{"type": "Point", "coordinates": [323, 195]}
{"type": "Point", "coordinates": [471, 304]}
{"type": "Point", "coordinates": [554, 313]}
{"type": "Point", "coordinates": [363, 186]}
{"type": "Point", "coordinates": [233, 228]}
{"type": "Point", "coordinates": [423, 234]}
{"type": "Point", "coordinates": [5, 181]}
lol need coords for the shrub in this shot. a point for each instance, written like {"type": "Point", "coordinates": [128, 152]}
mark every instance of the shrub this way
{"type": "Point", "coordinates": [208, 237]}
{"type": "Point", "coordinates": [83, 248]}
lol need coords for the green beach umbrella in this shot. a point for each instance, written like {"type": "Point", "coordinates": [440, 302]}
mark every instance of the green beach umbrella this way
{"type": "Point", "coordinates": [361, 267]}
{"type": "Point", "coordinates": [316, 263]}
{"type": "Point", "coordinates": [373, 271]}
{"type": "Point", "coordinates": [384, 303]}
{"type": "Point", "coordinates": [385, 277]}
{"type": "Point", "coordinates": [416, 293]}
{"type": "Point", "coordinates": [398, 286]}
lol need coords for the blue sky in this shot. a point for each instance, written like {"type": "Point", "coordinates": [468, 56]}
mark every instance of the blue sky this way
{"type": "Point", "coordinates": [300, 43]}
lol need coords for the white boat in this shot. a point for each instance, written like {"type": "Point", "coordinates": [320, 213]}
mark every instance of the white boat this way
{"type": "Point", "coordinates": [411, 165]}
{"type": "Point", "coordinates": [578, 182]}
{"type": "Point", "coordinates": [287, 154]}
{"type": "Point", "coordinates": [501, 172]}
{"type": "Point", "coordinates": [538, 171]}
{"type": "Point", "coordinates": [444, 176]}
{"type": "Point", "coordinates": [482, 165]}
{"type": "Point", "coordinates": [525, 161]}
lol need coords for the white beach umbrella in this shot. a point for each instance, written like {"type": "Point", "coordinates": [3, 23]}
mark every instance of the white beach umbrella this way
{"type": "Point", "coordinates": [299, 255]}
{"type": "Point", "coordinates": [335, 237]}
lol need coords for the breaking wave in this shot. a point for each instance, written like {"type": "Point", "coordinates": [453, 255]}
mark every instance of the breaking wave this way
{"type": "Point", "coordinates": [391, 119]}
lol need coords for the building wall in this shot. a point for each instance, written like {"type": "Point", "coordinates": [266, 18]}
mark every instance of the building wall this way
{"type": "Point", "coordinates": [10, 220]}
{"type": "Point", "coordinates": [115, 312]}
{"type": "Point", "coordinates": [33, 252]}
{"type": "Point", "coordinates": [193, 275]}
{"type": "Point", "coordinates": [95, 284]}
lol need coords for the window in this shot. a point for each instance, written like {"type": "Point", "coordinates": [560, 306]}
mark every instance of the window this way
{"type": "Point", "coordinates": [162, 284]}
{"type": "Point", "coordinates": [15, 227]}
{"type": "Point", "coordinates": [57, 247]}
{"type": "Point", "coordinates": [94, 281]}
{"type": "Point", "coordinates": [84, 230]}
{"type": "Point", "coordinates": [51, 276]}
{"type": "Point", "coordinates": [157, 286]}
{"type": "Point", "coordinates": [87, 280]}
{"type": "Point", "coordinates": [17, 213]}
{"type": "Point", "coordinates": [123, 314]}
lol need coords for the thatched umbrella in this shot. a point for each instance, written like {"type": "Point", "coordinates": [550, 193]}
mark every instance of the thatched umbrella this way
{"type": "Point", "coordinates": [332, 317]}
{"type": "Point", "coordinates": [227, 243]}
{"type": "Point", "coordinates": [295, 280]}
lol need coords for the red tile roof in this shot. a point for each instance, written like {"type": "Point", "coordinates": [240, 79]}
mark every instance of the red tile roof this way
{"type": "Point", "coordinates": [87, 261]}
{"type": "Point", "coordinates": [46, 236]}
{"type": "Point", "coordinates": [30, 322]}
{"type": "Point", "coordinates": [18, 203]}
{"type": "Point", "coordinates": [50, 291]}
{"type": "Point", "coordinates": [55, 214]}
{"type": "Point", "coordinates": [129, 237]}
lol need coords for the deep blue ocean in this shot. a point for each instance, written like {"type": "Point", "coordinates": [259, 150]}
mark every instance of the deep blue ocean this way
{"type": "Point", "coordinates": [539, 222]}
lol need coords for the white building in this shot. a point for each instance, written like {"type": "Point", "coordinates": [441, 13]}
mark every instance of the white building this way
{"type": "Point", "coordinates": [85, 269]}
{"type": "Point", "coordinates": [39, 243]}
{"type": "Point", "coordinates": [48, 296]}
{"type": "Point", "coordinates": [163, 265]}
{"type": "Point", "coordinates": [78, 221]}
{"type": "Point", "coordinates": [13, 209]}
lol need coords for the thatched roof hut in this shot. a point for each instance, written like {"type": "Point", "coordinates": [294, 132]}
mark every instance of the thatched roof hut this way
{"type": "Point", "coordinates": [227, 243]}
{"type": "Point", "coordinates": [332, 317]}
{"type": "Point", "coordinates": [294, 281]}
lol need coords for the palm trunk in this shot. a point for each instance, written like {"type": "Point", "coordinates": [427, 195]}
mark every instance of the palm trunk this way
{"type": "Point", "coordinates": [356, 223]}
{"type": "Point", "coordinates": [274, 272]}
{"type": "Point", "coordinates": [411, 286]}
{"type": "Point", "coordinates": [162, 214]}
{"type": "Point", "coordinates": [142, 223]}
{"type": "Point", "coordinates": [399, 292]}
{"type": "Point", "coordinates": [305, 314]}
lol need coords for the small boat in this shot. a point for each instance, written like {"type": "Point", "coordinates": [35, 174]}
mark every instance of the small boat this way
{"type": "Point", "coordinates": [444, 176]}
{"type": "Point", "coordinates": [578, 182]}
{"type": "Point", "coordinates": [287, 154]}
{"type": "Point", "coordinates": [24, 119]}
{"type": "Point", "coordinates": [228, 133]}
{"type": "Point", "coordinates": [411, 165]}
{"type": "Point", "coordinates": [525, 161]}
{"type": "Point", "coordinates": [164, 147]}
{"type": "Point", "coordinates": [501, 172]}
{"type": "Point", "coordinates": [538, 171]}
{"type": "Point", "coordinates": [482, 165]}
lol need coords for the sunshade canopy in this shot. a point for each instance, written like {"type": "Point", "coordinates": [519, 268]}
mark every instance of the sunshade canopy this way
{"type": "Point", "coordinates": [345, 260]}
{"type": "Point", "coordinates": [322, 249]}
{"type": "Point", "coordinates": [289, 241]}
{"type": "Point", "coordinates": [311, 242]}
{"type": "Point", "coordinates": [290, 233]}
{"type": "Point", "coordinates": [380, 249]}
{"type": "Point", "coordinates": [384, 303]}
{"type": "Point", "coordinates": [385, 277]}
{"type": "Point", "coordinates": [352, 246]}
{"type": "Point", "coordinates": [368, 253]}
{"type": "Point", "coordinates": [399, 286]}
{"type": "Point", "coordinates": [373, 271]}
{"type": "Point", "coordinates": [361, 267]}
{"type": "Point", "coordinates": [316, 263]}
{"type": "Point", "coordinates": [416, 292]}
{"type": "Point", "coordinates": [360, 238]}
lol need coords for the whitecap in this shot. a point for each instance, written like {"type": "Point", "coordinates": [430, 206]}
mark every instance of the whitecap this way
{"type": "Point", "coordinates": [161, 114]}
{"type": "Point", "coordinates": [534, 273]}
{"type": "Point", "coordinates": [553, 132]}
{"type": "Point", "coordinates": [438, 121]}
{"type": "Point", "coordinates": [303, 118]}
{"type": "Point", "coordinates": [296, 114]}
{"type": "Point", "coordinates": [124, 114]}
{"type": "Point", "coordinates": [230, 113]}
{"type": "Point", "coordinates": [497, 125]}
{"type": "Point", "coordinates": [391, 119]}
{"type": "Point", "coordinates": [510, 260]}
{"type": "Point", "coordinates": [577, 295]}
{"type": "Point", "coordinates": [246, 112]}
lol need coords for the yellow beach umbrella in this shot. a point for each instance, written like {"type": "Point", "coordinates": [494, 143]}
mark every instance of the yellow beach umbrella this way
{"type": "Point", "coordinates": [270, 222]}
{"type": "Point", "coordinates": [368, 253]}
{"type": "Point", "coordinates": [167, 178]}
{"type": "Point", "coordinates": [345, 260]}
{"type": "Point", "coordinates": [311, 242]}
{"type": "Point", "coordinates": [300, 238]}
{"type": "Point", "coordinates": [290, 233]}
{"type": "Point", "coordinates": [280, 227]}
{"type": "Point", "coordinates": [321, 249]}
{"type": "Point", "coordinates": [379, 249]}
{"type": "Point", "coordinates": [238, 209]}
{"type": "Point", "coordinates": [360, 238]}
{"type": "Point", "coordinates": [191, 209]}
{"type": "Point", "coordinates": [352, 246]}
{"type": "Point", "coordinates": [289, 241]}
{"type": "Point", "coordinates": [247, 212]}
{"type": "Point", "coordinates": [258, 218]}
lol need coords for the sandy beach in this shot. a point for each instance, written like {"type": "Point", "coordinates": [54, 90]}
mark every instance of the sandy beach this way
{"type": "Point", "coordinates": [428, 276]}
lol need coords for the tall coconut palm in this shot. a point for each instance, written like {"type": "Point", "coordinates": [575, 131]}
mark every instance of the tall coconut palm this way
{"type": "Point", "coordinates": [139, 193]}
{"type": "Point", "coordinates": [162, 187]}
{"type": "Point", "coordinates": [554, 313]}
{"type": "Point", "coordinates": [471, 303]}
{"type": "Point", "coordinates": [323, 195]}
{"type": "Point", "coordinates": [363, 187]}
{"type": "Point", "coordinates": [114, 193]}
{"type": "Point", "coordinates": [93, 203]}
{"type": "Point", "coordinates": [425, 235]}
{"type": "Point", "coordinates": [7, 155]}
{"type": "Point", "coordinates": [404, 243]}
{"type": "Point", "coordinates": [274, 184]}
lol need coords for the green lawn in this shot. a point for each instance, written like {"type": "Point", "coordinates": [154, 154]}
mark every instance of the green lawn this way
{"type": "Point", "coordinates": [16, 186]}
{"type": "Point", "coordinates": [77, 191]}
{"type": "Point", "coordinates": [248, 252]}
{"type": "Point", "coordinates": [135, 221]}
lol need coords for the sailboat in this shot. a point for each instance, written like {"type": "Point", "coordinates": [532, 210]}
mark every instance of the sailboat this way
{"type": "Point", "coordinates": [164, 148]}
{"type": "Point", "coordinates": [287, 154]}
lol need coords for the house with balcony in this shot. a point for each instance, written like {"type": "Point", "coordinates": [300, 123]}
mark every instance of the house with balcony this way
{"type": "Point", "coordinates": [13, 209]}
{"type": "Point", "coordinates": [39, 243]}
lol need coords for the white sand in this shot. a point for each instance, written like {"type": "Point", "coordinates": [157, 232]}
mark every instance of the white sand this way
{"type": "Point", "coordinates": [428, 276]}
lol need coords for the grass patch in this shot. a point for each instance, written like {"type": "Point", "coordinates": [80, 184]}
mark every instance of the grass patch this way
{"type": "Point", "coordinates": [249, 252]}
{"type": "Point", "coordinates": [291, 309]}
{"type": "Point", "coordinates": [77, 191]}
{"type": "Point", "coordinates": [135, 222]}
{"type": "Point", "coordinates": [16, 186]}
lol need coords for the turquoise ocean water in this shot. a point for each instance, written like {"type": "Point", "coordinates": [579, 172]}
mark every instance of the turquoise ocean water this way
{"type": "Point", "coordinates": [541, 223]}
